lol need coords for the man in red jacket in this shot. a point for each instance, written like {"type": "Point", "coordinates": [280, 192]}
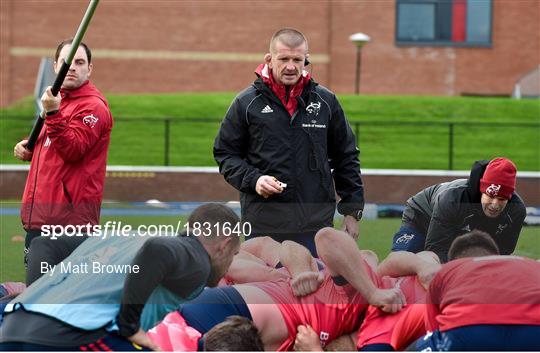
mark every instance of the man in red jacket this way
{"type": "Point", "coordinates": [67, 171]}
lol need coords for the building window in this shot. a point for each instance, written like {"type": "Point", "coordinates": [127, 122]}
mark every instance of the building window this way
{"type": "Point", "coordinates": [444, 22]}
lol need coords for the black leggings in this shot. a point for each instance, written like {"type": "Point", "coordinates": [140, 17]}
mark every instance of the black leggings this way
{"type": "Point", "coordinates": [46, 250]}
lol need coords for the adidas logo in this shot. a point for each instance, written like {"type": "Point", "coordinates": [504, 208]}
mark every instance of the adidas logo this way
{"type": "Point", "coordinates": [267, 109]}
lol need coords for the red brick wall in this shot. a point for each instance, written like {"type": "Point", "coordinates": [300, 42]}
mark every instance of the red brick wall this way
{"type": "Point", "coordinates": [245, 27]}
{"type": "Point", "coordinates": [5, 58]}
{"type": "Point", "coordinates": [389, 69]}
{"type": "Point", "coordinates": [515, 51]}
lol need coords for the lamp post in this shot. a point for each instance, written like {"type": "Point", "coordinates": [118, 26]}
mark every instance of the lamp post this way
{"type": "Point", "coordinates": [359, 40]}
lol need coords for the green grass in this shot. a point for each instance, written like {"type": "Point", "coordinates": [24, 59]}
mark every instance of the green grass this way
{"type": "Point", "coordinates": [374, 234]}
{"type": "Point", "coordinates": [392, 145]}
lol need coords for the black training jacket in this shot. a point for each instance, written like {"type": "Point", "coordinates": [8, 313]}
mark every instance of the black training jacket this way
{"type": "Point", "coordinates": [444, 211]}
{"type": "Point", "coordinates": [309, 151]}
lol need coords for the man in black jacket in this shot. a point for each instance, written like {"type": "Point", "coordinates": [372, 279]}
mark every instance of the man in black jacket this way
{"type": "Point", "coordinates": [284, 144]}
{"type": "Point", "coordinates": [486, 201]}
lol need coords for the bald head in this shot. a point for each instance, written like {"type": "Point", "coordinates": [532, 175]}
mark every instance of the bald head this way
{"type": "Point", "coordinates": [290, 37]}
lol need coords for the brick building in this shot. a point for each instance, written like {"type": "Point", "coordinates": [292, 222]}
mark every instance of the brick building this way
{"type": "Point", "coordinates": [435, 47]}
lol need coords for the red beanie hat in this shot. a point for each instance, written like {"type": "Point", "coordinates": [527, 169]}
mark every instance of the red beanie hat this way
{"type": "Point", "coordinates": [499, 178]}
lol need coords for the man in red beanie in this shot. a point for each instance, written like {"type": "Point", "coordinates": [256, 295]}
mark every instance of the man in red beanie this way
{"type": "Point", "coordinates": [497, 185]}
{"type": "Point", "coordinates": [486, 201]}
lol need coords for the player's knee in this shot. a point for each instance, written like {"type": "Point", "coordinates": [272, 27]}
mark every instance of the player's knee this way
{"type": "Point", "coordinates": [289, 243]}
{"type": "Point", "coordinates": [370, 257]}
{"type": "Point", "coordinates": [268, 243]}
{"type": "Point", "coordinates": [324, 237]}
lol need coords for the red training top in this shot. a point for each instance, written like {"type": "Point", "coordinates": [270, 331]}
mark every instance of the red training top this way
{"type": "Point", "coordinates": [409, 327]}
{"type": "Point", "coordinates": [485, 290]}
{"type": "Point", "coordinates": [331, 311]}
{"type": "Point", "coordinates": [378, 326]}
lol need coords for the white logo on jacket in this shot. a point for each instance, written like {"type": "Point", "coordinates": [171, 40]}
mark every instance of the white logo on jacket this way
{"type": "Point", "coordinates": [267, 110]}
{"type": "Point", "coordinates": [90, 120]}
{"type": "Point", "coordinates": [405, 238]}
{"type": "Point", "coordinates": [47, 142]}
{"type": "Point", "coordinates": [314, 108]}
{"type": "Point", "coordinates": [314, 126]}
{"type": "Point", "coordinates": [501, 228]}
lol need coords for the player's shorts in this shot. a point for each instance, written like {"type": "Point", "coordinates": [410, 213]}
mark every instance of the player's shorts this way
{"type": "Point", "coordinates": [408, 238]}
{"type": "Point", "coordinates": [212, 307]}
{"type": "Point", "coordinates": [377, 347]}
{"type": "Point", "coordinates": [482, 338]}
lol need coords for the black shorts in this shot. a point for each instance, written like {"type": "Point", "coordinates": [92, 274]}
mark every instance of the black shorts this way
{"type": "Point", "coordinates": [482, 338]}
{"type": "Point", "coordinates": [213, 306]}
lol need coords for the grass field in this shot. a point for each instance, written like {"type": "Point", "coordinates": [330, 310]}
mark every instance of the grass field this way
{"type": "Point", "coordinates": [383, 142]}
{"type": "Point", "coordinates": [375, 235]}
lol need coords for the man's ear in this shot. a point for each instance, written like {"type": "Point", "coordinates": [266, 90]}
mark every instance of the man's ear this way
{"type": "Point", "coordinates": [306, 60]}
{"type": "Point", "coordinates": [54, 67]}
{"type": "Point", "coordinates": [268, 59]}
{"type": "Point", "coordinates": [90, 67]}
{"type": "Point", "coordinates": [221, 245]}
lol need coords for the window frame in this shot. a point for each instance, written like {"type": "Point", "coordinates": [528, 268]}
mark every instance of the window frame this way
{"type": "Point", "coordinates": [438, 42]}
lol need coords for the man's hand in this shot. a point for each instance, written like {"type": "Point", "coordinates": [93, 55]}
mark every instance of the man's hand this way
{"type": "Point", "coordinates": [140, 338]}
{"type": "Point", "coordinates": [277, 275]}
{"type": "Point", "coordinates": [21, 152]}
{"type": "Point", "coordinates": [388, 300]}
{"type": "Point", "coordinates": [268, 185]}
{"type": "Point", "coordinates": [350, 226]}
{"type": "Point", "coordinates": [306, 283]}
{"type": "Point", "coordinates": [50, 102]}
{"type": "Point", "coordinates": [307, 340]}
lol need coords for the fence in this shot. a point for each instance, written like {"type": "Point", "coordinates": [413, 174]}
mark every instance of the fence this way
{"type": "Point", "coordinates": [484, 131]}
{"type": "Point", "coordinates": [386, 144]}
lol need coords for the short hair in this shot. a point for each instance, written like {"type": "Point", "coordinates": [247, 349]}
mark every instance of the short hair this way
{"type": "Point", "coordinates": [69, 41]}
{"type": "Point", "coordinates": [217, 215]}
{"type": "Point", "coordinates": [236, 333]}
{"type": "Point", "coordinates": [291, 37]}
{"type": "Point", "coordinates": [472, 244]}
